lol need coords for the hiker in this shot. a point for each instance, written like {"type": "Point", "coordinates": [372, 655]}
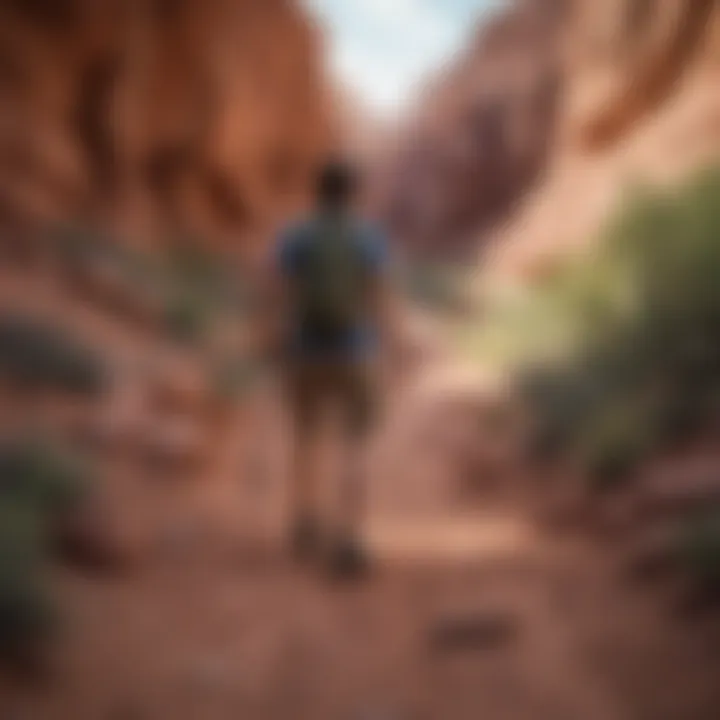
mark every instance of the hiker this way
{"type": "Point", "coordinates": [329, 321]}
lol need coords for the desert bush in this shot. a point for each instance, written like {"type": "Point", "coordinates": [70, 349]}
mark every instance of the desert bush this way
{"type": "Point", "coordinates": [27, 612]}
{"type": "Point", "coordinates": [73, 244]}
{"type": "Point", "coordinates": [614, 444]}
{"type": "Point", "coordinates": [27, 616]}
{"type": "Point", "coordinates": [35, 354]}
{"type": "Point", "coordinates": [435, 286]}
{"type": "Point", "coordinates": [230, 378]}
{"type": "Point", "coordinates": [200, 289]}
{"type": "Point", "coordinates": [699, 550]}
{"type": "Point", "coordinates": [40, 476]}
{"type": "Point", "coordinates": [78, 244]}
{"type": "Point", "coordinates": [636, 332]}
{"type": "Point", "coordinates": [39, 484]}
{"type": "Point", "coordinates": [187, 316]}
{"type": "Point", "coordinates": [190, 259]}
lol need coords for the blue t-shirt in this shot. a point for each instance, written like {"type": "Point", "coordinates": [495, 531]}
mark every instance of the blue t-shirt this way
{"type": "Point", "coordinates": [360, 339]}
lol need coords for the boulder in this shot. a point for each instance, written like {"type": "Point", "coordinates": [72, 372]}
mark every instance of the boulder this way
{"type": "Point", "coordinates": [91, 538]}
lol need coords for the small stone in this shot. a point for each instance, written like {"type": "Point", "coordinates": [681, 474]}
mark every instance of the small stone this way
{"type": "Point", "coordinates": [179, 391]}
{"type": "Point", "coordinates": [480, 631]}
{"type": "Point", "coordinates": [176, 444]}
{"type": "Point", "coordinates": [652, 559]}
{"type": "Point", "coordinates": [679, 489]}
{"type": "Point", "coordinates": [90, 539]}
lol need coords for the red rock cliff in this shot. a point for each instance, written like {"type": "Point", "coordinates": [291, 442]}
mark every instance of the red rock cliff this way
{"type": "Point", "coordinates": [528, 141]}
{"type": "Point", "coordinates": [158, 116]}
{"type": "Point", "coordinates": [482, 134]}
{"type": "Point", "coordinates": [641, 104]}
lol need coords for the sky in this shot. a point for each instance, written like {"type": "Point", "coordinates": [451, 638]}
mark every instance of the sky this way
{"type": "Point", "coordinates": [382, 49]}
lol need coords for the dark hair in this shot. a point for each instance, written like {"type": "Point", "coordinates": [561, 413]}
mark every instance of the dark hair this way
{"type": "Point", "coordinates": [337, 182]}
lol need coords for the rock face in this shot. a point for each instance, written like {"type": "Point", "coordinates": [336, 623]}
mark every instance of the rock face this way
{"type": "Point", "coordinates": [158, 116]}
{"type": "Point", "coordinates": [528, 141]}
{"type": "Point", "coordinates": [483, 132]}
{"type": "Point", "coordinates": [627, 57]}
{"type": "Point", "coordinates": [641, 105]}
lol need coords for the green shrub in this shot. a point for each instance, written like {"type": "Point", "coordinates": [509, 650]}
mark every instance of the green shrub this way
{"type": "Point", "coordinates": [231, 378]}
{"type": "Point", "coordinates": [435, 286]}
{"type": "Point", "coordinates": [80, 243]}
{"type": "Point", "coordinates": [557, 402]}
{"type": "Point", "coordinates": [194, 263]}
{"type": "Point", "coordinates": [200, 288]}
{"type": "Point", "coordinates": [634, 334]}
{"type": "Point", "coordinates": [195, 269]}
{"type": "Point", "coordinates": [187, 317]}
{"type": "Point", "coordinates": [27, 615]}
{"type": "Point", "coordinates": [699, 550]}
{"type": "Point", "coordinates": [35, 354]}
{"type": "Point", "coordinates": [76, 244]}
{"type": "Point", "coordinates": [39, 483]}
{"type": "Point", "coordinates": [613, 452]}
{"type": "Point", "coordinates": [38, 475]}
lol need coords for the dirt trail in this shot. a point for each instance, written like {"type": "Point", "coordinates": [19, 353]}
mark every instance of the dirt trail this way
{"type": "Point", "coordinates": [472, 610]}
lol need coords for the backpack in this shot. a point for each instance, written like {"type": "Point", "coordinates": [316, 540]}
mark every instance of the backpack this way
{"type": "Point", "coordinates": [331, 279]}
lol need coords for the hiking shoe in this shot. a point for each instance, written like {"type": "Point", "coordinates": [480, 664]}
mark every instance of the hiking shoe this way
{"type": "Point", "coordinates": [348, 561]}
{"type": "Point", "coordinates": [305, 539]}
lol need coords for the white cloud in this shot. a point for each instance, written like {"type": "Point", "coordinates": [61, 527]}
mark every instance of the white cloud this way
{"type": "Point", "coordinates": [404, 14]}
{"type": "Point", "coordinates": [383, 48]}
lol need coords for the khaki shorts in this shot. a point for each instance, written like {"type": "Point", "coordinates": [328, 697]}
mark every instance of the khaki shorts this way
{"type": "Point", "coordinates": [348, 385]}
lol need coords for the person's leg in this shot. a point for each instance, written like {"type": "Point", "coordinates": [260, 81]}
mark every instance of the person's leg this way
{"type": "Point", "coordinates": [355, 392]}
{"type": "Point", "coordinates": [353, 489]}
{"type": "Point", "coordinates": [305, 528]}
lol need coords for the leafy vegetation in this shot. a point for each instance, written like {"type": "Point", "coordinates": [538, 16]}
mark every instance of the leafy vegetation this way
{"type": "Point", "coordinates": [191, 286]}
{"type": "Point", "coordinates": [187, 316]}
{"type": "Point", "coordinates": [233, 376]}
{"type": "Point", "coordinates": [39, 483]}
{"type": "Point", "coordinates": [435, 286]}
{"type": "Point", "coordinates": [699, 550]}
{"type": "Point", "coordinates": [35, 354]}
{"type": "Point", "coordinates": [619, 353]}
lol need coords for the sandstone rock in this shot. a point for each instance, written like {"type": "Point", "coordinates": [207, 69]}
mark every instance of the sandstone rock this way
{"type": "Point", "coordinates": [103, 284]}
{"type": "Point", "coordinates": [114, 425]}
{"type": "Point", "coordinates": [639, 51]}
{"type": "Point", "coordinates": [526, 143]}
{"type": "Point", "coordinates": [91, 538]}
{"type": "Point", "coordinates": [203, 115]}
{"type": "Point", "coordinates": [476, 631]}
{"type": "Point", "coordinates": [178, 390]}
{"type": "Point", "coordinates": [483, 133]}
{"type": "Point", "coordinates": [679, 489]}
{"type": "Point", "coordinates": [638, 107]}
{"type": "Point", "coordinates": [174, 444]}
{"type": "Point", "coordinates": [653, 557]}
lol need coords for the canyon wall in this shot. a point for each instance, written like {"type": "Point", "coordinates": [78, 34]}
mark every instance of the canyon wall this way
{"type": "Point", "coordinates": [158, 117]}
{"type": "Point", "coordinates": [641, 107]}
{"type": "Point", "coordinates": [522, 147]}
{"type": "Point", "coordinates": [481, 134]}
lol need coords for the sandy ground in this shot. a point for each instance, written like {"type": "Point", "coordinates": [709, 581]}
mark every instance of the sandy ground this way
{"type": "Point", "coordinates": [472, 610]}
